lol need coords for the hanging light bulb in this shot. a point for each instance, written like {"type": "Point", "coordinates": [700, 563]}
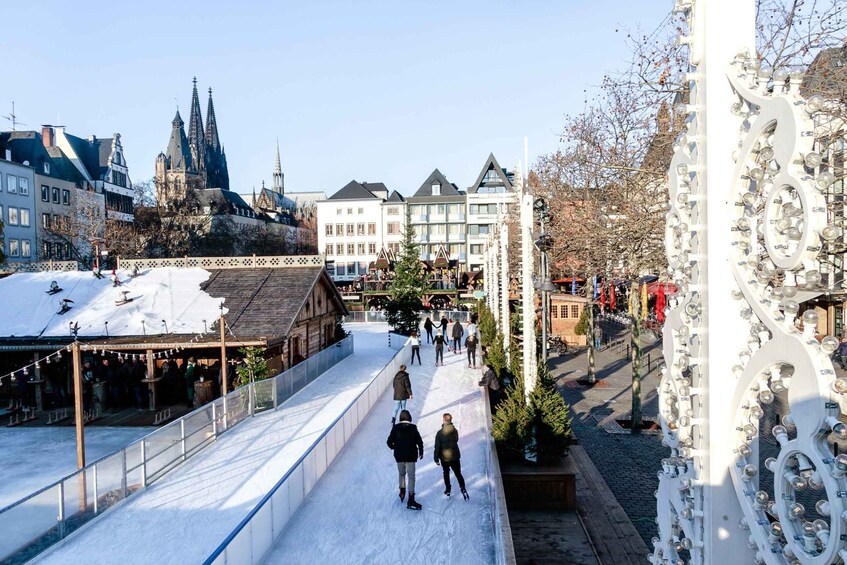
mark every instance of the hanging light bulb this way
{"type": "Point", "coordinates": [814, 103]}
{"type": "Point", "coordinates": [810, 318]}
{"type": "Point", "coordinates": [766, 396]}
{"type": "Point", "coordinates": [831, 233]}
{"type": "Point", "coordinates": [824, 180]}
{"type": "Point", "coordinates": [812, 160]}
{"type": "Point", "coordinates": [791, 308]}
{"type": "Point", "coordinates": [829, 344]}
{"type": "Point", "coordinates": [766, 153]}
{"type": "Point", "coordinates": [813, 278]}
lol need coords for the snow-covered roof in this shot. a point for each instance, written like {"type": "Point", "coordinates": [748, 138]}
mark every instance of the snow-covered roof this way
{"type": "Point", "coordinates": [170, 294]}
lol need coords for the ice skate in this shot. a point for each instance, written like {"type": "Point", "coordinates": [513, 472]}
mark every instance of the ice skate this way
{"type": "Point", "coordinates": [465, 495]}
{"type": "Point", "coordinates": [402, 494]}
{"type": "Point", "coordinates": [412, 504]}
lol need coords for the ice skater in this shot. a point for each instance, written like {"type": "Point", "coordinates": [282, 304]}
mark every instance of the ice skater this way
{"type": "Point", "coordinates": [428, 328]}
{"type": "Point", "coordinates": [439, 348]}
{"type": "Point", "coordinates": [416, 347]}
{"type": "Point", "coordinates": [402, 391]}
{"type": "Point", "coordinates": [470, 345]}
{"type": "Point", "coordinates": [457, 332]}
{"type": "Point", "coordinates": [406, 442]}
{"type": "Point", "coordinates": [446, 453]}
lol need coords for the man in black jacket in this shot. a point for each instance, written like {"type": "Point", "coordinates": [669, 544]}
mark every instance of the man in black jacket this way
{"type": "Point", "coordinates": [446, 453]}
{"type": "Point", "coordinates": [407, 444]}
{"type": "Point", "coordinates": [402, 391]}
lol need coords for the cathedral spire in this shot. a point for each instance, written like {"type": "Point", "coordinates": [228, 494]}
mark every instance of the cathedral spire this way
{"type": "Point", "coordinates": [195, 131]}
{"type": "Point", "coordinates": [279, 178]}
{"type": "Point", "coordinates": [212, 139]}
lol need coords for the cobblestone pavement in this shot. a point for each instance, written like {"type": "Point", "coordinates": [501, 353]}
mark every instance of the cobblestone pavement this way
{"type": "Point", "coordinates": [628, 462]}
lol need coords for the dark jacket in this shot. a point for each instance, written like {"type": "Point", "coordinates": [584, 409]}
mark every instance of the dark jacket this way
{"type": "Point", "coordinates": [402, 386]}
{"type": "Point", "coordinates": [139, 371]}
{"type": "Point", "coordinates": [438, 341]}
{"type": "Point", "coordinates": [444, 323]}
{"type": "Point", "coordinates": [489, 379]}
{"type": "Point", "coordinates": [446, 444]}
{"type": "Point", "coordinates": [458, 330]}
{"type": "Point", "coordinates": [406, 442]}
{"type": "Point", "coordinates": [470, 342]}
{"type": "Point", "coordinates": [428, 325]}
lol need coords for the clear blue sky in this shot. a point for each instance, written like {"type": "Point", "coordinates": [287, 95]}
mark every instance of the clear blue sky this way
{"type": "Point", "coordinates": [376, 91]}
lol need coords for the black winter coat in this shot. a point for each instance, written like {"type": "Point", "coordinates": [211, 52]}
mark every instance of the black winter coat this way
{"type": "Point", "coordinates": [446, 444]}
{"type": "Point", "coordinates": [402, 386]}
{"type": "Point", "coordinates": [458, 331]}
{"type": "Point", "coordinates": [406, 442]}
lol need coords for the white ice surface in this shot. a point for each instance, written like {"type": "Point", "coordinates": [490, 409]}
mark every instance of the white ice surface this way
{"type": "Point", "coordinates": [354, 514]}
{"type": "Point", "coordinates": [168, 294]}
{"type": "Point", "coordinates": [36, 457]}
{"type": "Point", "coordinates": [184, 516]}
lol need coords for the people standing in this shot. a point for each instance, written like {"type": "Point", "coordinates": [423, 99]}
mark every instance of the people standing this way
{"type": "Point", "coordinates": [458, 332]}
{"type": "Point", "coordinates": [407, 444]}
{"type": "Point", "coordinates": [470, 344]}
{"type": "Point", "coordinates": [446, 453]}
{"type": "Point", "coordinates": [428, 327]}
{"type": "Point", "coordinates": [439, 348]}
{"type": "Point", "coordinates": [190, 377]}
{"type": "Point", "coordinates": [444, 322]}
{"type": "Point", "coordinates": [87, 385]}
{"type": "Point", "coordinates": [490, 380]}
{"type": "Point", "coordinates": [402, 391]}
{"type": "Point", "coordinates": [138, 375]}
{"type": "Point", "coordinates": [416, 347]}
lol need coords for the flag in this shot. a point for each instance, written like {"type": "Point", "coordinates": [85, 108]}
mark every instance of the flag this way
{"type": "Point", "coordinates": [612, 297]}
{"type": "Point", "coordinates": [602, 298]}
{"type": "Point", "coordinates": [644, 301]}
{"type": "Point", "coordinates": [631, 300]}
{"type": "Point", "coordinates": [660, 303]}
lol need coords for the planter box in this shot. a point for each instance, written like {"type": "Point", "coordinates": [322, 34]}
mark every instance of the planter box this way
{"type": "Point", "coordinates": [534, 487]}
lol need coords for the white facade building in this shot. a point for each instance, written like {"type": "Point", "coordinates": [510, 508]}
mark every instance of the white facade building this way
{"type": "Point", "coordinates": [489, 200]}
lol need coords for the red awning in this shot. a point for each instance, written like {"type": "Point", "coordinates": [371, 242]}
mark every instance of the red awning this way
{"type": "Point", "coordinates": [653, 288]}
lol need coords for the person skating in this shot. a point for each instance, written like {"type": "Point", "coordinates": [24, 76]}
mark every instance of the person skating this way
{"type": "Point", "coordinates": [416, 347]}
{"type": "Point", "coordinates": [458, 332]}
{"type": "Point", "coordinates": [428, 327]}
{"type": "Point", "coordinates": [402, 391]}
{"type": "Point", "coordinates": [406, 442]}
{"type": "Point", "coordinates": [490, 380]}
{"type": "Point", "coordinates": [446, 453]}
{"type": "Point", "coordinates": [470, 345]}
{"type": "Point", "coordinates": [444, 322]}
{"type": "Point", "coordinates": [439, 348]}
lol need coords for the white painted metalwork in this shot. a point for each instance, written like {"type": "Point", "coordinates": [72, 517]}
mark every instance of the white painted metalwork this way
{"type": "Point", "coordinates": [504, 288]}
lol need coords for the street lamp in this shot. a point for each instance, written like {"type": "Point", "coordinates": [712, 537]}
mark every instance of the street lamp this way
{"type": "Point", "coordinates": [544, 243]}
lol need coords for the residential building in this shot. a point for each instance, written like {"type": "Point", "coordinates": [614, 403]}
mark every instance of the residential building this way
{"type": "Point", "coordinates": [438, 213]}
{"type": "Point", "coordinates": [17, 209]}
{"type": "Point", "coordinates": [489, 199]}
{"type": "Point", "coordinates": [393, 220]}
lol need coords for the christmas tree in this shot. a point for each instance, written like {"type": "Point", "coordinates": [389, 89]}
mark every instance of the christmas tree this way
{"type": "Point", "coordinates": [408, 285]}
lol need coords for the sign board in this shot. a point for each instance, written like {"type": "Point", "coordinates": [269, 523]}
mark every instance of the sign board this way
{"type": "Point", "coordinates": [479, 294]}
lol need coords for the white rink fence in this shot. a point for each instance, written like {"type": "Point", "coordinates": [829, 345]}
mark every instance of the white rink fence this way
{"type": "Point", "coordinates": [255, 535]}
{"type": "Point", "coordinates": [378, 316]}
{"type": "Point", "coordinates": [47, 516]}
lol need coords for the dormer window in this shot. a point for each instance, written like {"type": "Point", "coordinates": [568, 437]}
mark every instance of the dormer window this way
{"type": "Point", "coordinates": [436, 188]}
{"type": "Point", "coordinates": [46, 168]}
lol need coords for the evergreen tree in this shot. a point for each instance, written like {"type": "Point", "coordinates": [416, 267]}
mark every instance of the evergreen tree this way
{"type": "Point", "coordinates": [550, 417]}
{"type": "Point", "coordinates": [510, 424]}
{"type": "Point", "coordinates": [255, 366]}
{"type": "Point", "coordinates": [408, 285]}
{"type": "Point", "coordinates": [487, 324]}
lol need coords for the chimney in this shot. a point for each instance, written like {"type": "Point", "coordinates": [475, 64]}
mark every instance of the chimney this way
{"type": "Point", "coordinates": [47, 135]}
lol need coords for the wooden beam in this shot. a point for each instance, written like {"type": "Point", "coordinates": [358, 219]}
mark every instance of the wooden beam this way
{"type": "Point", "coordinates": [223, 355]}
{"type": "Point", "coordinates": [80, 436]}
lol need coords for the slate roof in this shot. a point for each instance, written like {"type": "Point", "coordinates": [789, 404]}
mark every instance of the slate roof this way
{"type": "Point", "coordinates": [352, 191]}
{"type": "Point", "coordinates": [63, 168]}
{"type": "Point", "coordinates": [266, 302]}
{"type": "Point", "coordinates": [178, 151]}
{"type": "Point", "coordinates": [206, 196]}
{"type": "Point", "coordinates": [447, 187]}
{"type": "Point", "coordinates": [28, 146]}
{"type": "Point", "coordinates": [378, 189]}
{"type": "Point", "coordinates": [395, 197]}
{"type": "Point", "coordinates": [93, 154]}
{"type": "Point", "coordinates": [491, 163]}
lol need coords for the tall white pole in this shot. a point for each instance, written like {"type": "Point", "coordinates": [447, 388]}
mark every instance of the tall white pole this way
{"type": "Point", "coordinates": [504, 287]}
{"type": "Point", "coordinates": [528, 294]}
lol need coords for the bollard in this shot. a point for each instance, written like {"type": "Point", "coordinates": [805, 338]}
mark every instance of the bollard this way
{"type": "Point", "coordinates": [648, 362]}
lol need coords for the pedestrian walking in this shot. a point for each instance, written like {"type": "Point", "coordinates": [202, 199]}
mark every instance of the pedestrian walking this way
{"type": "Point", "coordinates": [458, 332]}
{"type": "Point", "coordinates": [428, 327]}
{"type": "Point", "coordinates": [490, 380]}
{"type": "Point", "coordinates": [416, 347]}
{"type": "Point", "coordinates": [402, 391]}
{"type": "Point", "coordinates": [439, 348]}
{"type": "Point", "coordinates": [446, 453]}
{"type": "Point", "coordinates": [473, 329]}
{"type": "Point", "coordinates": [406, 442]}
{"type": "Point", "coordinates": [470, 345]}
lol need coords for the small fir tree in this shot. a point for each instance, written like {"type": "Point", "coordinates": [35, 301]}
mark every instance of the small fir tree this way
{"type": "Point", "coordinates": [510, 424]}
{"type": "Point", "coordinates": [408, 285]}
{"type": "Point", "coordinates": [550, 418]}
{"type": "Point", "coordinates": [496, 356]}
{"type": "Point", "coordinates": [487, 325]}
{"type": "Point", "coordinates": [255, 366]}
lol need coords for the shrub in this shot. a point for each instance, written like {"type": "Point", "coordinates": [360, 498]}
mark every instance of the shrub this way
{"type": "Point", "coordinates": [582, 325]}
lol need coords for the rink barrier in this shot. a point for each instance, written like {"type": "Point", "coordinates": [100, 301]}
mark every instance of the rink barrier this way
{"type": "Point", "coordinates": [38, 522]}
{"type": "Point", "coordinates": [504, 548]}
{"type": "Point", "coordinates": [256, 534]}
{"type": "Point", "coordinates": [378, 316]}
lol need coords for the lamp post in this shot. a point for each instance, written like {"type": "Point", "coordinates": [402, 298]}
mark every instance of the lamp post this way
{"type": "Point", "coordinates": [545, 285]}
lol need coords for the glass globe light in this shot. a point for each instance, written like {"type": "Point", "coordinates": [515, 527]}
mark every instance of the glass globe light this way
{"type": "Point", "coordinates": [765, 72]}
{"type": "Point", "coordinates": [766, 153]}
{"type": "Point", "coordinates": [766, 396]}
{"type": "Point", "coordinates": [736, 108]}
{"type": "Point", "coordinates": [840, 429]}
{"type": "Point", "coordinates": [812, 160]}
{"type": "Point", "coordinates": [761, 497]}
{"type": "Point", "coordinates": [780, 75]}
{"type": "Point", "coordinates": [839, 385]}
{"type": "Point", "coordinates": [777, 386]}
{"type": "Point", "coordinates": [797, 73]}
{"type": "Point", "coordinates": [770, 464]}
{"type": "Point", "coordinates": [821, 525]}
{"type": "Point", "coordinates": [814, 103]}
{"type": "Point", "coordinates": [796, 482]}
{"type": "Point", "coordinates": [815, 482]}
{"type": "Point", "coordinates": [813, 278]}
{"type": "Point", "coordinates": [743, 224]}
{"type": "Point", "coordinates": [749, 471]}
{"type": "Point", "coordinates": [810, 318]}
{"type": "Point", "coordinates": [692, 309]}
{"type": "Point", "coordinates": [791, 308]}
{"type": "Point", "coordinates": [824, 180]}
{"type": "Point", "coordinates": [796, 511]}
{"type": "Point", "coordinates": [748, 199]}
{"type": "Point", "coordinates": [780, 433]}
{"type": "Point", "coordinates": [822, 507]}
{"type": "Point", "coordinates": [789, 291]}
{"type": "Point", "coordinates": [682, 198]}
{"type": "Point", "coordinates": [831, 233]}
{"type": "Point", "coordinates": [736, 294]}
{"type": "Point", "coordinates": [682, 169]}
{"type": "Point", "coordinates": [756, 174]}
{"type": "Point", "coordinates": [794, 233]}
{"type": "Point", "coordinates": [782, 225]}
{"type": "Point", "coordinates": [744, 450]}
{"type": "Point", "coordinates": [829, 344]}
{"type": "Point", "coordinates": [808, 529]}
{"type": "Point", "coordinates": [750, 431]}
{"type": "Point", "coordinates": [756, 412]}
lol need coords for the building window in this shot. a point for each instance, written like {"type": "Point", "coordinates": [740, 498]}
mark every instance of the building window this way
{"type": "Point", "coordinates": [56, 195]}
{"type": "Point", "coordinates": [393, 211]}
{"type": "Point", "coordinates": [360, 229]}
{"type": "Point", "coordinates": [45, 221]}
{"type": "Point", "coordinates": [57, 221]}
{"type": "Point", "coordinates": [340, 269]}
{"type": "Point", "coordinates": [372, 249]}
{"type": "Point", "coordinates": [351, 249]}
{"type": "Point", "coordinates": [436, 188]}
{"type": "Point", "coordinates": [394, 247]}
{"type": "Point", "coordinates": [14, 248]}
{"type": "Point", "coordinates": [564, 310]}
{"type": "Point", "coordinates": [453, 209]}
{"type": "Point", "coordinates": [46, 249]}
{"type": "Point", "coordinates": [339, 249]}
{"type": "Point", "coordinates": [478, 229]}
{"type": "Point", "coordinates": [575, 311]}
{"type": "Point", "coordinates": [351, 229]}
{"type": "Point", "coordinates": [349, 211]}
{"type": "Point", "coordinates": [46, 168]}
{"type": "Point", "coordinates": [25, 217]}
{"type": "Point", "coordinates": [23, 184]}
{"type": "Point", "coordinates": [393, 228]}
{"type": "Point", "coordinates": [554, 312]}
{"type": "Point", "coordinates": [12, 184]}
{"type": "Point", "coordinates": [476, 249]}
{"type": "Point", "coordinates": [329, 249]}
{"type": "Point", "coordinates": [45, 193]}
{"type": "Point", "coordinates": [338, 211]}
{"type": "Point", "coordinates": [329, 229]}
{"type": "Point", "coordinates": [361, 211]}
{"type": "Point", "coordinates": [441, 209]}
{"type": "Point", "coordinates": [26, 251]}
{"type": "Point", "coordinates": [13, 216]}
{"type": "Point", "coordinates": [372, 229]}
{"type": "Point", "coordinates": [360, 248]}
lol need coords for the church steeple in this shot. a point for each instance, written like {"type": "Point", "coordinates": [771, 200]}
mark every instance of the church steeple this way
{"type": "Point", "coordinates": [279, 177]}
{"type": "Point", "coordinates": [178, 154]}
{"type": "Point", "coordinates": [196, 139]}
{"type": "Point", "coordinates": [212, 139]}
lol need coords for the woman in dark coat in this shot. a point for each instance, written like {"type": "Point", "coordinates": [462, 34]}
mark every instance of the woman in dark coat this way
{"type": "Point", "coordinates": [402, 391]}
{"type": "Point", "coordinates": [428, 328]}
{"type": "Point", "coordinates": [446, 453]}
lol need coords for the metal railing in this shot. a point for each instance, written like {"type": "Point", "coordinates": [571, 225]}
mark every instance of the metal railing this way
{"type": "Point", "coordinates": [44, 518]}
{"type": "Point", "coordinates": [250, 262]}
{"type": "Point", "coordinates": [378, 316]}
{"type": "Point", "coordinates": [258, 531]}
{"type": "Point", "coordinates": [504, 547]}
